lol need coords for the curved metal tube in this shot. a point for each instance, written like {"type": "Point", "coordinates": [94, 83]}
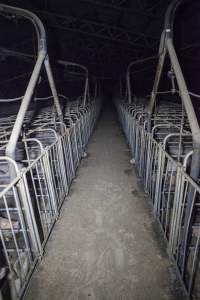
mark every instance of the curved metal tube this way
{"type": "Point", "coordinates": [186, 159]}
{"type": "Point", "coordinates": [42, 58]}
{"type": "Point", "coordinates": [10, 149]}
{"type": "Point", "coordinates": [167, 46]}
{"type": "Point", "coordinates": [41, 34]}
{"type": "Point", "coordinates": [86, 89]}
{"type": "Point", "coordinates": [128, 73]}
{"type": "Point", "coordinates": [170, 14]}
{"type": "Point", "coordinates": [95, 87]}
{"type": "Point", "coordinates": [166, 34]}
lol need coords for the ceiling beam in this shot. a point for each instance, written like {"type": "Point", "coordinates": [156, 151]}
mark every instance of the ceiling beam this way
{"type": "Point", "coordinates": [99, 30]}
{"type": "Point", "coordinates": [118, 5]}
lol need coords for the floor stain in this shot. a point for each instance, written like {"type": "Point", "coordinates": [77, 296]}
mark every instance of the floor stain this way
{"type": "Point", "coordinates": [71, 192]}
{"type": "Point", "coordinates": [128, 172]}
{"type": "Point", "coordinates": [135, 193]}
{"type": "Point", "coordinates": [84, 164]}
{"type": "Point", "coordinates": [127, 153]}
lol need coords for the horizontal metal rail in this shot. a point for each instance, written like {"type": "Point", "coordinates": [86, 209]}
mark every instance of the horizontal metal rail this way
{"type": "Point", "coordinates": [167, 49]}
{"type": "Point", "coordinates": [169, 186]}
{"type": "Point", "coordinates": [30, 203]}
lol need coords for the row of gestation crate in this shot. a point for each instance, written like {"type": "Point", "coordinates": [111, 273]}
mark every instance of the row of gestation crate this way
{"type": "Point", "coordinates": [165, 144]}
{"type": "Point", "coordinates": [39, 155]}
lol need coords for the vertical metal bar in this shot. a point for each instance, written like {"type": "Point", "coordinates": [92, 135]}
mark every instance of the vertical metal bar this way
{"type": "Point", "coordinates": [26, 199]}
{"type": "Point", "coordinates": [184, 92]}
{"type": "Point", "coordinates": [156, 85]}
{"type": "Point", "coordinates": [53, 88]}
{"type": "Point", "coordinates": [11, 146]}
{"type": "Point", "coordinates": [128, 80]}
{"type": "Point", "coordinates": [85, 90]}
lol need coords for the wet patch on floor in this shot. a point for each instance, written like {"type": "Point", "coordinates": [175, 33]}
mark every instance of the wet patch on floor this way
{"type": "Point", "coordinates": [140, 186]}
{"type": "Point", "coordinates": [92, 142]}
{"type": "Point", "coordinates": [155, 231]}
{"type": "Point", "coordinates": [127, 152]}
{"type": "Point", "coordinates": [71, 192]}
{"type": "Point", "coordinates": [135, 193]}
{"type": "Point", "coordinates": [128, 172]}
{"type": "Point", "coordinates": [84, 164]}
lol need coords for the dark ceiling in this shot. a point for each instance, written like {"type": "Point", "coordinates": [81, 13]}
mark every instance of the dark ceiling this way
{"type": "Point", "coordinates": [105, 35]}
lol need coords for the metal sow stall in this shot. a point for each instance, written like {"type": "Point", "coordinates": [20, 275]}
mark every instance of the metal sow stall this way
{"type": "Point", "coordinates": [164, 138]}
{"type": "Point", "coordinates": [39, 154]}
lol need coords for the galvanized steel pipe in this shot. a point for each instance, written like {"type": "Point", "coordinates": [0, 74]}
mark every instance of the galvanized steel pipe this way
{"type": "Point", "coordinates": [86, 89]}
{"type": "Point", "coordinates": [42, 56]}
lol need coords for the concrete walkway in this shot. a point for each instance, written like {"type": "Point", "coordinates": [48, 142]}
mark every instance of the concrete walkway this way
{"type": "Point", "coordinates": [106, 245]}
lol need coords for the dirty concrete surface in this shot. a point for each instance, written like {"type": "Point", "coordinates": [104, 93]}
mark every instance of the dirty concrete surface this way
{"type": "Point", "coordinates": [106, 244]}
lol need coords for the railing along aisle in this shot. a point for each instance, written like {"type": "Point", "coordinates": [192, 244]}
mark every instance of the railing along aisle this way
{"type": "Point", "coordinates": [164, 139]}
{"type": "Point", "coordinates": [40, 151]}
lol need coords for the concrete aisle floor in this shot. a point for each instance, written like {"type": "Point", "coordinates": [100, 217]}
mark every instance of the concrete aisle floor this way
{"type": "Point", "coordinates": [106, 245]}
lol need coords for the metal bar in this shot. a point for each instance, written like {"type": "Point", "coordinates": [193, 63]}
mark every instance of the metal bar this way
{"type": "Point", "coordinates": [184, 92]}
{"type": "Point", "coordinates": [53, 88]}
{"type": "Point", "coordinates": [99, 30]}
{"type": "Point", "coordinates": [156, 85]}
{"type": "Point", "coordinates": [128, 73]}
{"type": "Point", "coordinates": [41, 34]}
{"type": "Point", "coordinates": [11, 146]}
{"type": "Point", "coordinates": [168, 32]}
{"type": "Point", "coordinates": [42, 56]}
{"type": "Point", "coordinates": [86, 88]}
